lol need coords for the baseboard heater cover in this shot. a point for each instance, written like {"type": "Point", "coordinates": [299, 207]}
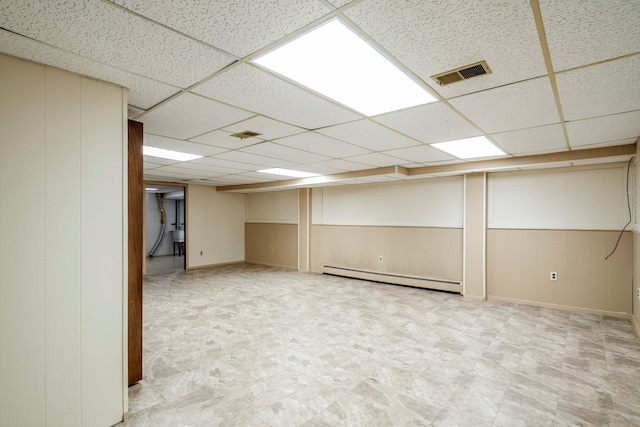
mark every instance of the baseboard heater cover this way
{"type": "Point", "coordinates": [395, 279]}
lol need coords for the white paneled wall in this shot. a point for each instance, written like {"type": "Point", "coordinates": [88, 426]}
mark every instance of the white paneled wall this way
{"type": "Point", "coordinates": [426, 203]}
{"type": "Point", "coordinates": [274, 207]}
{"type": "Point", "coordinates": [62, 174]}
{"type": "Point", "coordinates": [588, 198]}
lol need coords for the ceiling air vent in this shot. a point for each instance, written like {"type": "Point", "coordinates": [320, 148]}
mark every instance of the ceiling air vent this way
{"type": "Point", "coordinates": [462, 73]}
{"type": "Point", "coordinates": [246, 134]}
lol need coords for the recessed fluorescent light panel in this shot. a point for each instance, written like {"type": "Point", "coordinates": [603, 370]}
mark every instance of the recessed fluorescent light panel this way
{"type": "Point", "coordinates": [168, 154]}
{"type": "Point", "coordinates": [288, 172]}
{"type": "Point", "coordinates": [470, 148]}
{"type": "Point", "coordinates": [336, 62]}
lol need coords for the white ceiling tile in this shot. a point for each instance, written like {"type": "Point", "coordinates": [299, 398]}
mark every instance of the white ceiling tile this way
{"type": "Point", "coordinates": [254, 159]}
{"type": "Point", "coordinates": [221, 163]}
{"type": "Point", "coordinates": [269, 129]}
{"type": "Point", "coordinates": [180, 145]}
{"type": "Point", "coordinates": [339, 3]}
{"type": "Point", "coordinates": [240, 179]}
{"type": "Point", "coordinates": [341, 165]}
{"type": "Point", "coordinates": [601, 89]}
{"type": "Point", "coordinates": [148, 165]}
{"type": "Point", "coordinates": [213, 170]}
{"type": "Point", "coordinates": [604, 129]}
{"type": "Point", "coordinates": [607, 144]}
{"type": "Point", "coordinates": [143, 92]}
{"type": "Point", "coordinates": [368, 134]}
{"type": "Point", "coordinates": [584, 32]}
{"type": "Point", "coordinates": [189, 115]}
{"type": "Point", "coordinates": [237, 26]}
{"type": "Point", "coordinates": [223, 139]}
{"type": "Point", "coordinates": [269, 149]}
{"type": "Point", "coordinates": [158, 174]}
{"type": "Point", "coordinates": [375, 160]}
{"type": "Point", "coordinates": [320, 144]}
{"type": "Point", "coordinates": [420, 154]}
{"type": "Point", "coordinates": [517, 106]}
{"type": "Point", "coordinates": [543, 139]}
{"type": "Point", "coordinates": [434, 122]}
{"type": "Point", "coordinates": [190, 173]}
{"type": "Point", "coordinates": [255, 90]}
{"type": "Point", "coordinates": [316, 168]}
{"type": "Point", "coordinates": [133, 112]}
{"type": "Point", "coordinates": [432, 37]}
{"type": "Point", "coordinates": [260, 176]}
{"type": "Point", "coordinates": [108, 34]}
{"type": "Point", "coordinates": [158, 160]}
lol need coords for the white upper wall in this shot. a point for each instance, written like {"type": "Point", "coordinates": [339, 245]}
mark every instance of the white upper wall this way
{"type": "Point", "coordinates": [434, 202]}
{"type": "Point", "coordinates": [587, 198]}
{"type": "Point", "coordinates": [279, 207]}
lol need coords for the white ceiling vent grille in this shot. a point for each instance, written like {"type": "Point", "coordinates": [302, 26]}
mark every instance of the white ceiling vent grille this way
{"type": "Point", "coordinates": [462, 73]}
{"type": "Point", "coordinates": [246, 134]}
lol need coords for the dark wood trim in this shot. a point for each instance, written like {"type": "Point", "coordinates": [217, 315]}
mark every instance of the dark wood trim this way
{"type": "Point", "coordinates": [136, 215]}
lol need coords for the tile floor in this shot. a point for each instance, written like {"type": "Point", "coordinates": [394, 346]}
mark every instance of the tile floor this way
{"type": "Point", "coordinates": [252, 345]}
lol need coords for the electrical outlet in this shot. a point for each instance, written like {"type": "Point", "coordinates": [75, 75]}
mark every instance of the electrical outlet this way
{"type": "Point", "coordinates": [201, 253]}
{"type": "Point", "coordinates": [380, 258]}
{"type": "Point", "coordinates": [638, 292]}
{"type": "Point", "coordinates": [271, 248]}
{"type": "Point", "coordinates": [553, 275]}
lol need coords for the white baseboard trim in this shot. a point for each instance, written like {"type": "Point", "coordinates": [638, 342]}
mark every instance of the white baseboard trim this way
{"type": "Point", "coordinates": [394, 279]}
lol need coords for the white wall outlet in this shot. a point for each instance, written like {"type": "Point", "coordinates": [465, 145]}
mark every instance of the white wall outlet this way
{"type": "Point", "coordinates": [271, 248]}
{"type": "Point", "coordinates": [638, 292]}
{"type": "Point", "coordinates": [380, 258]}
{"type": "Point", "coordinates": [553, 275]}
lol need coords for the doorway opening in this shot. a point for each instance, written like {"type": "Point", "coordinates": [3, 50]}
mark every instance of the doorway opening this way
{"type": "Point", "coordinates": [165, 225]}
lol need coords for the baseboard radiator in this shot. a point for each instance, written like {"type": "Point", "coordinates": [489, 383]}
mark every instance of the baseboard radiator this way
{"type": "Point", "coordinates": [394, 279]}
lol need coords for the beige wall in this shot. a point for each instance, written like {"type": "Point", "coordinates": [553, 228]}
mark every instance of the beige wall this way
{"type": "Point", "coordinates": [214, 226]}
{"type": "Point", "coordinates": [520, 262]}
{"type": "Point", "coordinates": [62, 250]}
{"type": "Point", "coordinates": [272, 244]}
{"type": "Point", "coordinates": [562, 220]}
{"type": "Point", "coordinates": [434, 253]}
{"type": "Point", "coordinates": [271, 231]}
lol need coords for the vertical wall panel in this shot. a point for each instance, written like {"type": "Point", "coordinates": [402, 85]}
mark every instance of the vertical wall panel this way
{"type": "Point", "coordinates": [136, 213]}
{"type": "Point", "coordinates": [102, 243]}
{"type": "Point", "coordinates": [474, 235]}
{"type": "Point", "coordinates": [304, 228]}
{"type": "Point", "coordinates": [61, 269]}
{"type": "Point", "coordinates": [22, 179]}
{"type": "Point", "coordinates": [63, 379]}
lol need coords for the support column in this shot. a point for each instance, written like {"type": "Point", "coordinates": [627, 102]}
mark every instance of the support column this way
{"type": "Point", "coordinates": [304, 228]}
{"type": "Point", "coordinates": [474, 284]}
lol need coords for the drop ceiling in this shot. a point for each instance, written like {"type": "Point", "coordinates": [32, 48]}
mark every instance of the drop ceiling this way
{"type": "Point", "coordinates": [564, 77]}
